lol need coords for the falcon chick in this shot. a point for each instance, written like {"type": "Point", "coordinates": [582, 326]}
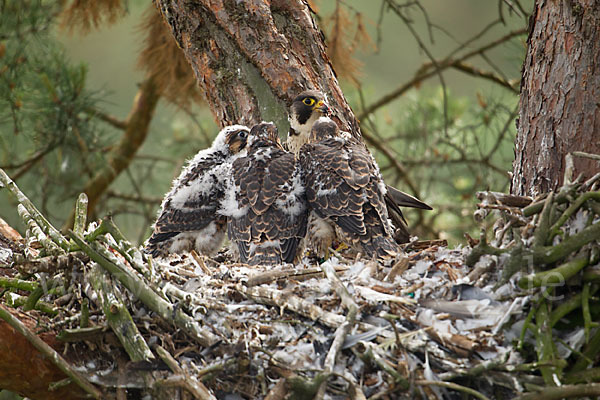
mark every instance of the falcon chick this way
{"type": "Point", "coordinates": [188, 216]}
{"type": "Point", "coordinates": [305, 110]}
{"type": "Point", "coordinates": [265, 201]}
{"type": "Point", "coordinates": [345, 192]}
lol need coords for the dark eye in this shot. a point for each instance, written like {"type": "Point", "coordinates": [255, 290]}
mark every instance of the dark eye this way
{"type": "Point", "coordinates": [243, 134]}
{"type": "Point", "coordinates": [309, 101]}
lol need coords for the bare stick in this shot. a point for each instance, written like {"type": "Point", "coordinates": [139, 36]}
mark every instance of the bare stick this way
{"type": "Point", "coordinates": [46, 226]}
{"type": "Point", "coordinates": [139, 288]}
{"type": "Point", "coordinates": [454, 386]}
{"type": "Point", "coordinates": [190, 383]}
{"type": "Point", "coordinates": [294, 273]}
{"type": "Point", "coordinates": [80, 214]}
{"type": "Point", "coordinates": [343, 330]}
{"type": "Point", "coordinates": [118, 317]}
{"type": "Point", "coordinates": [562, 392]}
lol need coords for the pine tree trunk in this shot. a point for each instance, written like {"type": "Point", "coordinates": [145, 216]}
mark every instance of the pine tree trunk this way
{"type": "Point", "coordinates": [252, 57]}
{"type": "Point", "coordinates": [560, 95]}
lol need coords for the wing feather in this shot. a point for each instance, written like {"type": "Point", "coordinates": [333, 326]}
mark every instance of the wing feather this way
{"type": "Point", "coordinates": [269, 232]}
{"type": "Point", "coordinates": [343, 184]}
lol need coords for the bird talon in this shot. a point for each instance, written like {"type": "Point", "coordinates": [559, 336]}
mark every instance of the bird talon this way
{"type": "Point", "coordinates": [341, 246]}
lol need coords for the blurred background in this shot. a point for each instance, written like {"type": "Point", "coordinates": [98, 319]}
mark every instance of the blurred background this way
{"type": "Point", "coordinates": [434, 83]}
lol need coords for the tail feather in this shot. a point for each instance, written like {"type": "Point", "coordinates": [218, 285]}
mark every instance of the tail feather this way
{"type": "Point", "coordinates": [405, 200]}
{"type": "Point", "coordinates": [394, 199]}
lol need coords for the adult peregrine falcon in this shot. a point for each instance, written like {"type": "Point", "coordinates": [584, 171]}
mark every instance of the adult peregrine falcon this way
{"type": "Point", "coordinates": [345, 192]}
{"type": "Point", "coordinates": [188, 216]}
{"type": "Point", "coordinates": [306, 108]}
{"type": "Point", "coordinates": [309, 106]}
{"type": "Point", "coordinates": [266, 203]}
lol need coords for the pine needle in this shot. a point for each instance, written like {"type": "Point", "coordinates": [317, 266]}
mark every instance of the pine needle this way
{"type": "Point", "coordinates": [85, 15]}
{"type": "Point", "coordinates": [162, 59]}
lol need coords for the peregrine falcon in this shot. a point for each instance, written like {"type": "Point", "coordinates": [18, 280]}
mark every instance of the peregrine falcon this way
{"type": "Point", "coordinates": [345, 192]}
{"type": "Point", "coordinates": [309, 106]}
{"type": "Point", "coordinates": [265, 201]}
{"type": "Point", "coordinates": [188, 216]}
{"type": "Point", "coordinates": [306, 108]}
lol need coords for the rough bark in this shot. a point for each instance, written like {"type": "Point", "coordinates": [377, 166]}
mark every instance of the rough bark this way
{"type": "Point", "coordinates": [24, 370]}
{"type": "Point", "coordinates": [560, 92]}
{"type": "Point", "coordinates": [251, 58]}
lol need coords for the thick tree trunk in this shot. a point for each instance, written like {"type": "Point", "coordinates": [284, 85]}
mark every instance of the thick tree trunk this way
{"type": "Point", "coordinates": [252, 57]}
{"type": "Point", "coordinates": [560, 95]}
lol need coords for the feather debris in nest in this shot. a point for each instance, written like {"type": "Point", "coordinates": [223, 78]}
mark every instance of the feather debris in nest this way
{"type": "Point", "coordinates": [429, 325]}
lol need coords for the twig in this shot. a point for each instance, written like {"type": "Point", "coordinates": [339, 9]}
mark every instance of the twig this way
{"type": "Point", "coordinates": [84, 321]}
{"type": "Point", "coordinates": [134, 198]}
{"type": "Point", "coordinates": [545, 343]}
{"type": "Point", "coordinates": [50, 353]}
{"type": "Point", "coordinates": [50, 264]}
{"type": "Point", "coordinates": [36, 231]}
{"type": "Point", "coordinates": [474, 71]}
{"type": "Point", "coordinates": [112, 120]}
{"type": "Point", "coordinates": [271, 276]}
{"type": "Point", "coordinates": [368, 352]}
{"type": "Point", "coordinates": [555, 229]}
{"type": "Point", "coordinates": [541, 231]}
{"type": "Point", "coordinates": [586, 155]}
{"type": "Point", "coordinates": [80, 214]}
{"type": "Point", "coordinates": [139, 288]}
{"type": "Point", "coordinates": [46, 227]}
{"type": "Point", "coordinates": [343, 330]}
{"type": "Point", "coordinates": [556, 275]}
{"type": "Point", "coordinates": [568, 306]}
{"type": "Point", "coordinates": [454, 386]}
{"type": "Point", "coordinates": [423, 74]}
{"type": "Point", "coordinates": [79, 334]}
{"type": "Point", "coordinates": [585, 309]}
{"type": "Point", "coordinates": [550, 254]}
{"type": "Point", "coordinates": [200, 263]}
{"type": "Point", "coordinates": [589, 353]}
{"type": "Point", "coordinates": [118, 316]}
{"type": "Point", "coordinates": [190, 383]}
{"type": "Point", "coordinates": [16, 300]}
{"type": "Point", "coordinates": [563, 392]}
{"type": "Point", "coordinates": [534, 208]}
{"type": "Point", "coordinates": [132, 254]}
{"type": "Point", "coordinates": [266, 295]}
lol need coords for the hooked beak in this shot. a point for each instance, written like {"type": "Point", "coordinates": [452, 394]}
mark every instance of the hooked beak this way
{"type": "Point", "coordinates": [322, 107]}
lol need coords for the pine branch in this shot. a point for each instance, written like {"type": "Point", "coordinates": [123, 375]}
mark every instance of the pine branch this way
{"type": "Point", "coordinates": [119, 158]}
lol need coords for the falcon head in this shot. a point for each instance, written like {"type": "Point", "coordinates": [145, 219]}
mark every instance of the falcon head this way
{"type": "Point", "coordinates": [232, 139]}
{"type": "Point", "coordinates": [323, 128]}
{"type": "Point", "coordinates": [264, 131]}
{"type": "Point", "coordinates": [306, 108]}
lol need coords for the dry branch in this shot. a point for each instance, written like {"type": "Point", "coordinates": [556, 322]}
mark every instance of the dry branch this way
{"type": "Point", "coordinates": [118, 317]}
{"type": "Point", "coordinates": [140, 289]}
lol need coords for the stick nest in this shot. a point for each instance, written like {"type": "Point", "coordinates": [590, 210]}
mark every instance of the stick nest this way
{"type": "Point", "coordinates": [512, 317]}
